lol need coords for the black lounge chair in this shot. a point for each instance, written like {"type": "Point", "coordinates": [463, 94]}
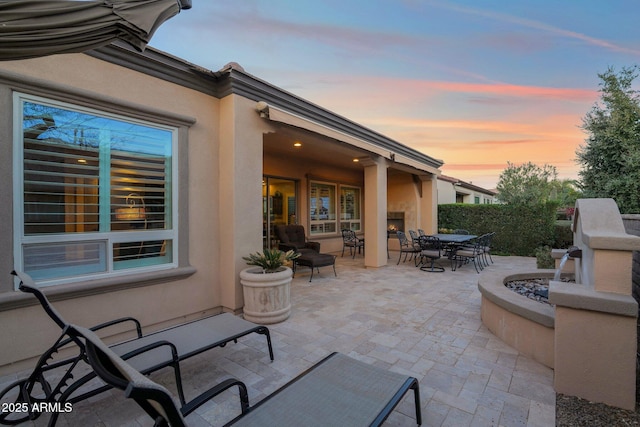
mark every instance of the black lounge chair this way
{"type": "Point", "coordinates": [336, 391]}
{"type": "Point", "coordinates": [147, 353]}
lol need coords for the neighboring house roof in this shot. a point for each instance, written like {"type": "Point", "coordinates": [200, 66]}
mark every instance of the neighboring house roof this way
{"type": "Point", "coordinates": [467, 185]}
{"type": "Point", "coordinates": [233, 79]}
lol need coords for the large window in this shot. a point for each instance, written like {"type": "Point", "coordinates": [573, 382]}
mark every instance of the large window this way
{"type": "Point", "coordinates": [95, 193]}
{"type": "Point", "coordinates": [322, 207]}
{"type": "Point", "coordinates": [350, 208]}
{"type": "Point", "coordinates": [324, 204]}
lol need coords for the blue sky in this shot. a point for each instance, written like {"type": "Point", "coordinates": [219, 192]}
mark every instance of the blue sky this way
{"type": "Point", "coordinates": [476, 84]}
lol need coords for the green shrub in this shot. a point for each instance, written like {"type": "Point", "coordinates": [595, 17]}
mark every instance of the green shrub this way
{"type": "Point", "coordinates": [563, 236]}
{"type": "Point", "coordinates": [519, 229]}
{"type": "Point", "coordinates": [543, 258]}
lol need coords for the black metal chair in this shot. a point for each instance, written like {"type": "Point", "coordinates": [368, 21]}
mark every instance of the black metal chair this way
{"type": "Point", "coordinates": [351, 241]}
{"type": "Point", "coordinates": [415, 237]}
{"type": "Point", "coordinates": [486, 249]}
{"type": "Point", "coordinates": [430, 252]}
{"type": "Point", "coordinates": [466, 254]}
{"type": "Point", "coordinates": [406, 247]}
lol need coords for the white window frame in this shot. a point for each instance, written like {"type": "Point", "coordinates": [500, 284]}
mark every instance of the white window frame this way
{"type": "Point", "coordinates": [351, 221]}
{"type": "Point", "coordinates": [317, 226]}
{"type": "Point", "coordinates": [109, 238]}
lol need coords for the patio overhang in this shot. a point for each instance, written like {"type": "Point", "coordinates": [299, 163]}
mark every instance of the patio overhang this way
{"type": "Point", "coordinates": [276, 114]}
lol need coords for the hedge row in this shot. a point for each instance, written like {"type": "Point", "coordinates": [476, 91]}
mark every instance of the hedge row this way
{"type": "Point", "coordinates": [520, 230]}
{"type": "Point", "coordinates": [563, 236]}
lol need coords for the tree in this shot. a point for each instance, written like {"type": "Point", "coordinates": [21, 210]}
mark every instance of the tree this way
{"type": "Point", "coordinates": [526, 184]}
{"type": "Point", "coordinates": [610, 157]}
{"type": "Point", "coordinates": [565, 192]}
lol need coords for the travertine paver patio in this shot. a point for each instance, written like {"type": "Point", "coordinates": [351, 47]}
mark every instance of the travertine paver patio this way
{"type": "Point", "coordinates": [424, 324]}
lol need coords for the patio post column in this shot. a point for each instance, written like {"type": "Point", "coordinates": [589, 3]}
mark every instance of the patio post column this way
{"type": "Point", "coordinates": [375, 207]}
{"type": "Point", "coordinates": [239, 210]}
{"type": "Point", "coordinates": [428, 204]}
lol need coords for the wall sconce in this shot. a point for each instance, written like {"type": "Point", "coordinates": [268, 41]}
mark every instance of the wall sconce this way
{"type": "Point", "coordinates": [135, 209]}
{"type": "Point", "coordinates": [263, 108]}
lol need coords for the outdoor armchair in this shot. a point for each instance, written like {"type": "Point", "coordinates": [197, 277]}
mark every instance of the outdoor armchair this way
{"type": "Point", "coordinates": [467, 253]}
{"type": "Point", "coordinates": [292, 237]}
{"type": "Point", "coordinates": [406, 247]}
{"type": "Point", "coordinates": [351, 241]}
{"type": "Point", "coordinates": [430, 252]}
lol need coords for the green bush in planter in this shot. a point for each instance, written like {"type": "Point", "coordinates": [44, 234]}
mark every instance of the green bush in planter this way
{"type": "Point", "coordinates": [271, 259]}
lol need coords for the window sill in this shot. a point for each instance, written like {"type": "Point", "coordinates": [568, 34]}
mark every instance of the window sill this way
{"type": "Point", "coordinates": [18, 299]}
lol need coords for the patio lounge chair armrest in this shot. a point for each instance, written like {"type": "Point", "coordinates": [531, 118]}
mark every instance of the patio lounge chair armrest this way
{"type": "Point", "coordinates": [194, 404]}
{"type": "Point", "coordinates": [118, 321]}
{"type": "Point", "coordinates": [175, 361]}
{"type": "Point", "coordinates": [154, 345]}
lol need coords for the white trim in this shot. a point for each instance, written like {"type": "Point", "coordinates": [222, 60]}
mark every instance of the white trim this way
{"type": "Point", "coordinates": [109, 237]}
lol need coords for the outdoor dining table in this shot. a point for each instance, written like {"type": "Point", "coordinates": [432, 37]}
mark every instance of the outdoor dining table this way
{"type": "Point", "coordinates": [454, 238]}
{"type": "Point", "coordinates": [450, 241]}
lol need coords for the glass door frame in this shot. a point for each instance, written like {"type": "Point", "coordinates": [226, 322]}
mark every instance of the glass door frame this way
{"type": "Point", "coordinates": [274, 206]}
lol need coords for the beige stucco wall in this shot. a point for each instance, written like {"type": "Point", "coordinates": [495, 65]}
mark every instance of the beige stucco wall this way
{"type": "Point", "coordinates": [526, 336]}
{"type": "Point", "coordinates": [594, 356]}
{"type": "Point", "coordinates": [240, 185]}
{"type": "Point", "coordinates": [220, 217]}
{"type": "Point", "coordinates": [446, 192]}
{"type": "Point", "coordinates": [28, 329]}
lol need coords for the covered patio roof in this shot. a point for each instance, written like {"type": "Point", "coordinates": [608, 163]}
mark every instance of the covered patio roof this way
{"type": "Point", "coordinates": [277, 104]}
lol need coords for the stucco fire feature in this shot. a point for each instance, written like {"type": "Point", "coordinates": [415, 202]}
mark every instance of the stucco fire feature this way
{"type": "Point", "coordinates": [595, 323]}
{"type": "Point", "coordinates": [589, 338]}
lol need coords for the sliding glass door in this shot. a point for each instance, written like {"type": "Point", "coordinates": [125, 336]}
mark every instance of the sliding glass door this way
{"type": "Point", "coordinates": [279, 206]}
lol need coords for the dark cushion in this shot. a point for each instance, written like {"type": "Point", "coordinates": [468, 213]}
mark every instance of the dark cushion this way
{"type": "Point", "coordinates": [293, 237]}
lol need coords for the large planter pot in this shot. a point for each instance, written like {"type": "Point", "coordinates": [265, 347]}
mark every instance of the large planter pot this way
{"type": "Point", "coordinates": [266, 295]}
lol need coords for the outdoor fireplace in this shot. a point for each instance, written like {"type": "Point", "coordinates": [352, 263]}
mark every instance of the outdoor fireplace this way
{"type": "Point", "coordinates": [395, 222]}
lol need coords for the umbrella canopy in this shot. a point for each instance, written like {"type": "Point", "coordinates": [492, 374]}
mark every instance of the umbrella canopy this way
{"type": "Point", "coordinates": [32, 28]}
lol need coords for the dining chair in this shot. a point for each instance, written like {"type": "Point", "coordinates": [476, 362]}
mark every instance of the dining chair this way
{"type": "Point", "coordinates": [351, 241]}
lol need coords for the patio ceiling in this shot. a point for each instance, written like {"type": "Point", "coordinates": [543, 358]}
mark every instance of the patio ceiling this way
{"type": "Point", "coordinates": [321, 149]}
{"type": "Point", "coordinates": [315, 148]}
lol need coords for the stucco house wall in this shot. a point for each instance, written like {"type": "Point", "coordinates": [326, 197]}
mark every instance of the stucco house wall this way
{"type": "Point", "coordinates": [451, 189]}
{"type": "Point", "coordinates": [222, 160]}
{"type": "Point", "coordinates": [82, 78]}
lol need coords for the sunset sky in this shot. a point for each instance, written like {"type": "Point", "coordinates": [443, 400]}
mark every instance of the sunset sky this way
{"type": "Point", "coordinates": [476, 84]}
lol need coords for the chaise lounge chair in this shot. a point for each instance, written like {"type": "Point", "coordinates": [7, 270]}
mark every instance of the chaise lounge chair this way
{"type": "Point", "coordinates": [337, 391]}
{"type": "Point", "coordinates": [147, 353]}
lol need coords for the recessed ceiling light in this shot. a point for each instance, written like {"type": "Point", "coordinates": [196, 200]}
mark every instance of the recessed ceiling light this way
{"type": "Point", "coordinates": [356, 160]}
{"type": "Point", "coordinates": [297, 144]}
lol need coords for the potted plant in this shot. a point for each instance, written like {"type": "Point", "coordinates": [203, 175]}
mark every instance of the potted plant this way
{"type": "Point", "coordinates": [266, 286]}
